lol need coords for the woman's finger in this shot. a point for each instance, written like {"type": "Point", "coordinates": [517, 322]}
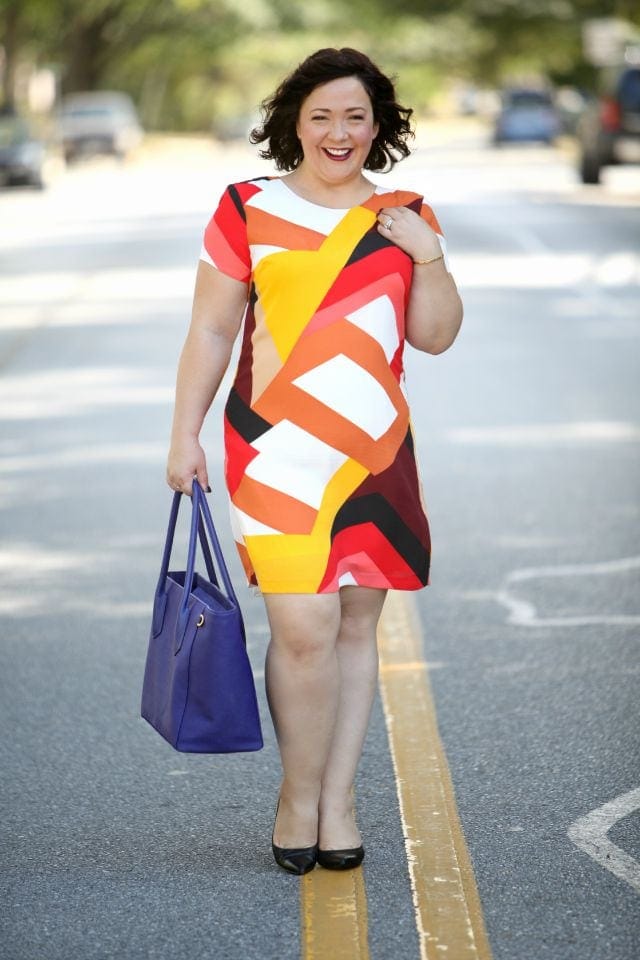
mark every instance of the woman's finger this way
{"type": "Point", "coordinates": [385, 220]}
{"type": "Point", "coordinates": [203, 479]}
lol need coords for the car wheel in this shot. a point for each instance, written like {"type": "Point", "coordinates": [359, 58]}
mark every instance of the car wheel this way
{"type": "Point", "coordinates": [590, 168]}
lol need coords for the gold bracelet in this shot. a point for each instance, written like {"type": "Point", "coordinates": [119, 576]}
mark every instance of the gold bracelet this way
{"type": "Point", "coordinates": [433, 259]}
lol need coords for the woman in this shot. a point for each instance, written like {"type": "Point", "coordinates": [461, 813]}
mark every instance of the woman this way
{"type": "Point", "coordinates": [331, 274]}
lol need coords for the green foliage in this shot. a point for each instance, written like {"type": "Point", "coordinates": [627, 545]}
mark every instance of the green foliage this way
{"type": "Point", "coordinates": [206, 64]}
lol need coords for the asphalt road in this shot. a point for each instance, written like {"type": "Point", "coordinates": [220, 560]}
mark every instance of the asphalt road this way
{"type": "Point", "coordinates": [528, 432]}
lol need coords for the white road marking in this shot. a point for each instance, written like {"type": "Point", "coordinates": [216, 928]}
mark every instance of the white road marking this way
{"type": "Point", "coordinates": [547, 269]}
{"type": "Point", "coordinates": [523, 613]}
{"type": "Point", "coordinates": [547, 434]}
{"type": "Point", "coordinates": [589, 833]}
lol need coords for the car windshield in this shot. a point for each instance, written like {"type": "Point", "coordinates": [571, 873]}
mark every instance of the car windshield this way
{"type": "Point", "coordinates": [12, 130]}
{"type": "Point", "coordinates": [528, 98]}
{"type": "Point", "coordinates": [90, 111]}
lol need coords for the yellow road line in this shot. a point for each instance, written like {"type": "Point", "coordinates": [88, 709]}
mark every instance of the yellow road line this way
{"type": "Point", "coordinates": [448, 912]}
{"type": "Point", "coordinates": [333, 908]}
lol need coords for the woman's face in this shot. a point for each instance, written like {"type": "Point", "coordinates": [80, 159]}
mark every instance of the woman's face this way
{"type": "Point", "coordinates": [336, 129]}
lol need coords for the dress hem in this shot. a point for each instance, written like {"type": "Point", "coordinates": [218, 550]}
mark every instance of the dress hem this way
{"type": "Point", "coordinates": [289, 588]}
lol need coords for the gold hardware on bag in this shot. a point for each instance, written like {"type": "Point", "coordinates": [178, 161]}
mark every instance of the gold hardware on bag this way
{"type": "Point", "coordinates": [200, 620]}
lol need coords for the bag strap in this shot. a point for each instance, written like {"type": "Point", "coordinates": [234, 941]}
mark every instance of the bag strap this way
{"type": "Point", "coordinates": [203, 506]}
{"type": "Point", "coordinates": [206, 553]}
{"type": "Point", "coordinates": [200, 509]}
{"type": "Point", "coordinates": [160, 597]}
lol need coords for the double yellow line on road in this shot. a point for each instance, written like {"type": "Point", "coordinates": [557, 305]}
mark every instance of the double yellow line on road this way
{"type": "Point", "coordinates": [445, 898]}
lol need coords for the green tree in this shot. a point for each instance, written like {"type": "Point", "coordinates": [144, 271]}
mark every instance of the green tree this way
{"type": "Point", "coordinates": [187, 62]}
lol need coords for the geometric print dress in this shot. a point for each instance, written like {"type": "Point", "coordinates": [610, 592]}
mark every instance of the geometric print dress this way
{"type": "Point", "coordinates": [319, 453]}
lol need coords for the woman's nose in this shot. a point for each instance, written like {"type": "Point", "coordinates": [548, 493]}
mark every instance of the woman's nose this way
{"type": "Point", "coordinates": [338, 131]}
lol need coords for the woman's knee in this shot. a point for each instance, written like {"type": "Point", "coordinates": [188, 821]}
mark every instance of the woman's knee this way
{"type": "Point", "coordinates": [301, 649]}
{"type": "Point", "coordinates": [360, 612]}
{"type": "Point", "coordinates": [303, 629]}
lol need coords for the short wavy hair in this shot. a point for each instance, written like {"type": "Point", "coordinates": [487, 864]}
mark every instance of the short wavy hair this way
{"type": "Point", "coordinates": [280, 112]}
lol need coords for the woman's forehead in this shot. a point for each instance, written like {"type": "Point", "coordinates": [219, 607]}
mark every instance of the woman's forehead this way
{"type": "Point", "coordinates": [340, 92]}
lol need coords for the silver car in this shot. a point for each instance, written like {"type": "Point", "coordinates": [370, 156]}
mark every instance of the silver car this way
{"type": "Point", "coordinates": [98, 122]}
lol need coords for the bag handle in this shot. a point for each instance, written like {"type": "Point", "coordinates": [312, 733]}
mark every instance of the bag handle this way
{"type": "Point", "coordinates": [205, 512]}
{"type": "Point", "coordinates": [160, 599]}
{"type": "Point", "coordinates": [200, 509]}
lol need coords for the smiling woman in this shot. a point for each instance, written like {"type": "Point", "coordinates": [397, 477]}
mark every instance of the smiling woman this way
{"type": "Point", "coordinates": [331, 274]}
{"type": "Point", "coordinates": [335, 129]}
{"type": "Point", "coordinates": [283, 111]}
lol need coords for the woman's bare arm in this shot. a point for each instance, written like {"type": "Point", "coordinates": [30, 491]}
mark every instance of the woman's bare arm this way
{"type": "Point", "coordinates": [218, 307]}
{"type": "Point", "coordinates": [434, 313]}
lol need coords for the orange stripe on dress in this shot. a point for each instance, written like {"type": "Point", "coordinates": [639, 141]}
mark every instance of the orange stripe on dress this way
{"type": "Point", "coordinates": [395, 198]}
{"type": "Point", "coordinates": [245, 560]}
{"type": "Point", "coordinates": [273, 508]}
{"type": "Point", "coordinates": [265, 228]}
{"type": "Point", "coordinates": [427, 214]}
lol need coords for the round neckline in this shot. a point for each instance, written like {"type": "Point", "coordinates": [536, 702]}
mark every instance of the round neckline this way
{"type": "Point", "coordinates": [322, 206]}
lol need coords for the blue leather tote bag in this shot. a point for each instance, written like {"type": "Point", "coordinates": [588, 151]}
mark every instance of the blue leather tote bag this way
{"type": "Point", "coordinates": [198, 690]}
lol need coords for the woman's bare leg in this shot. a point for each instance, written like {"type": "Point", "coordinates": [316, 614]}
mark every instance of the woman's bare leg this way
{"type": "Point", "coordinates": [302, 680]}
{"type": "Point", "coordinates": [357, 656]}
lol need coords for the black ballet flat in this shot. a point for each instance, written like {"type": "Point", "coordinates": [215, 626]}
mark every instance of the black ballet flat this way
{"type": "Point", "coordinates": [298, 860]}
{"type": "Point", "coordinates": [341, 859]}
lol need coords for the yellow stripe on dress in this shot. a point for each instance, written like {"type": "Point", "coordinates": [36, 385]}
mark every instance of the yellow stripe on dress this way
{"type": "Point", "coordinates": [292, 284]}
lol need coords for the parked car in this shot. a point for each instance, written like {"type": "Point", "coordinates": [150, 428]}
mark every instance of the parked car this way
{"type": "Point", "coordinates": [98, 122]}
{"type": "Point", "coordinates": [527, 114]}
{"type": "Point", "coordinates": [609, 129]}
{"type": "Point", "coordinates": [22, 153]}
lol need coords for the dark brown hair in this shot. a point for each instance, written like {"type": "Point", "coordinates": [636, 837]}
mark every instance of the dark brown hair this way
{"type": "Point", "coordinates": [281, 111]}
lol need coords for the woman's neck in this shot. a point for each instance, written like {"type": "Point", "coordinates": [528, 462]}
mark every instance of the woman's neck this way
{"type": "Point", "coordinates": [338, 195]}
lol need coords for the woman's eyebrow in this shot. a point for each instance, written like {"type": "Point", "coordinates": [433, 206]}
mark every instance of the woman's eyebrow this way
{"type": "Point", "coordinates": [328, 109]}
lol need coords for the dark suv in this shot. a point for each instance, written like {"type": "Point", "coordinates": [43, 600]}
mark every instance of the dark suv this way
{"type": "Point", "coordinates": [609, 129]}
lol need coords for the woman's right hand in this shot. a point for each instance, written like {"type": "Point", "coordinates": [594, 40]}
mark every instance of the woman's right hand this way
{"type": "Point", "coordinates": [186, 460]}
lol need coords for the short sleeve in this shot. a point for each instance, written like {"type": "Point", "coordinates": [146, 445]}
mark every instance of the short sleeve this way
{"type": "Point", "coordinates": [427, 214]}
{"type": "Point", "coordinates": [225, 245]}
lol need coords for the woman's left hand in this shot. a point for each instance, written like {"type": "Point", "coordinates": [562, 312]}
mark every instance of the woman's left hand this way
{"type": "Point", "coordinates": [409, 231]}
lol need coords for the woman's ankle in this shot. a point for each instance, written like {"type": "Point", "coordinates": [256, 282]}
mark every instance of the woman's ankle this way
{"type": "Point", "coordinates": [340, 806]}
{"type": "Point", "coordinates": [338, 830]}
{"type": "Point", "coordinates": [299, 798]}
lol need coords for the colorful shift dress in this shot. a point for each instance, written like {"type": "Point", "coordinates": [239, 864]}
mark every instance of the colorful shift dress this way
{"type": "Point", "coordinates": [319, 458]}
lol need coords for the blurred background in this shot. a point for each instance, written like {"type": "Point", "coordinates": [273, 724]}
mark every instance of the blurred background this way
{"type": "Point", "coordinates": [529, 71]}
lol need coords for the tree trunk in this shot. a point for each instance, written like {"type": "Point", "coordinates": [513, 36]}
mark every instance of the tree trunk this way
{"type": "Point", "coordinates": [11, 46]}
{"type": "Point", "coordinates": [85, 53]}
{"type": "Point", "coordinates": [90, 49]}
